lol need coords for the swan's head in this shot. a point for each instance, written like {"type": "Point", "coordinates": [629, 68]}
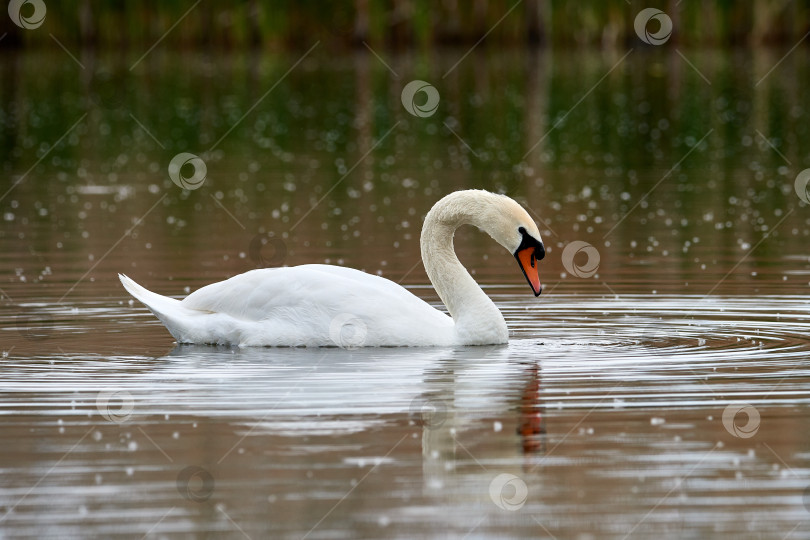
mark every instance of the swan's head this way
{"type": "Point", "coordinates": [515, 230]}
{"type": "Point", "coordinates": [502, 218]}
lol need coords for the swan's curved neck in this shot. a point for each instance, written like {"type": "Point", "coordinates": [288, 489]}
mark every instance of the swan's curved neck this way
{"type": "Point", "coordinates": [476, 317]}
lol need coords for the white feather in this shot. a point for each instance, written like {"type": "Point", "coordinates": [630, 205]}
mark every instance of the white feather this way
{"type": "Point", "coordinates": [322, 305]}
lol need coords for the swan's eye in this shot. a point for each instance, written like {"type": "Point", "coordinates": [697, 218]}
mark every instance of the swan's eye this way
{"type": "Point", "coordinates": [528, 242]}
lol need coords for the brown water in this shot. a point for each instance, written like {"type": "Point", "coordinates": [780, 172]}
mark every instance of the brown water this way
{"type": "Point", "coordinates": [661, 391]}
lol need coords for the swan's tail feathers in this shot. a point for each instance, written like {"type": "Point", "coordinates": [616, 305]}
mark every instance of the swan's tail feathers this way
{"type": "Point", "coordinates": [173, 315]}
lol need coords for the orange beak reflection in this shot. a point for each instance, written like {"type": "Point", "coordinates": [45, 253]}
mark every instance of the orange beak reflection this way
{"type": "Point", "coordinates": [528, 263]}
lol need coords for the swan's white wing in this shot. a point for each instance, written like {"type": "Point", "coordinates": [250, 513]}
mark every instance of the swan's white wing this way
{"type": "Point", "coordinates": [309, 304]}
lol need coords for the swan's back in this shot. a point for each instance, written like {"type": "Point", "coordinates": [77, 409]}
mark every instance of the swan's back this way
{"type": "Point", "coordinates": [308, 305]}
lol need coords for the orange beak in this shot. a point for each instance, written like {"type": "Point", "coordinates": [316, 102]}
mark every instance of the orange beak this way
{"type": "Point", "coordinates": [528, 263]}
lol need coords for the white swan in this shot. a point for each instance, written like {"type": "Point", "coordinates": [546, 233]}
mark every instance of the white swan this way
{"type": "Point", "coordinates": [322, 305]}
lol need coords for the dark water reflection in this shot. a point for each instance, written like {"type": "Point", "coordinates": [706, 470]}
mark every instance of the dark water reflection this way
{"type": "Point", "coordinates": [665, 395]}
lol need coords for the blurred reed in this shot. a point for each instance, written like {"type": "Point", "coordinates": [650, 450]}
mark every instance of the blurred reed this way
{"type": "Point", "coordinates": [403, 24]}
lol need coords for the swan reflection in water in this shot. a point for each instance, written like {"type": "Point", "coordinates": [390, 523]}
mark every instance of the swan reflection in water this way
{"type": "Point", "coordinates": [463, 400]}
{"type": "Point", "coordinates": [532, 428]}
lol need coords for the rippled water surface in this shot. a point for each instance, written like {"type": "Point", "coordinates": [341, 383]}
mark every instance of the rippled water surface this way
{"type": "Point", "coordinates": [664, 395]}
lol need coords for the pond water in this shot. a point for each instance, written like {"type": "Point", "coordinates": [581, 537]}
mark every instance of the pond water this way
{"type": "Point", "coordinates": [658, 387]}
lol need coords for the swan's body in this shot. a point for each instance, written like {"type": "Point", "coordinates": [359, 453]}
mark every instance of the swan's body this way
{"type": "Point", "coordinates": [323, 305]}
{"type": "Point", "coordinates": [296, 306]}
